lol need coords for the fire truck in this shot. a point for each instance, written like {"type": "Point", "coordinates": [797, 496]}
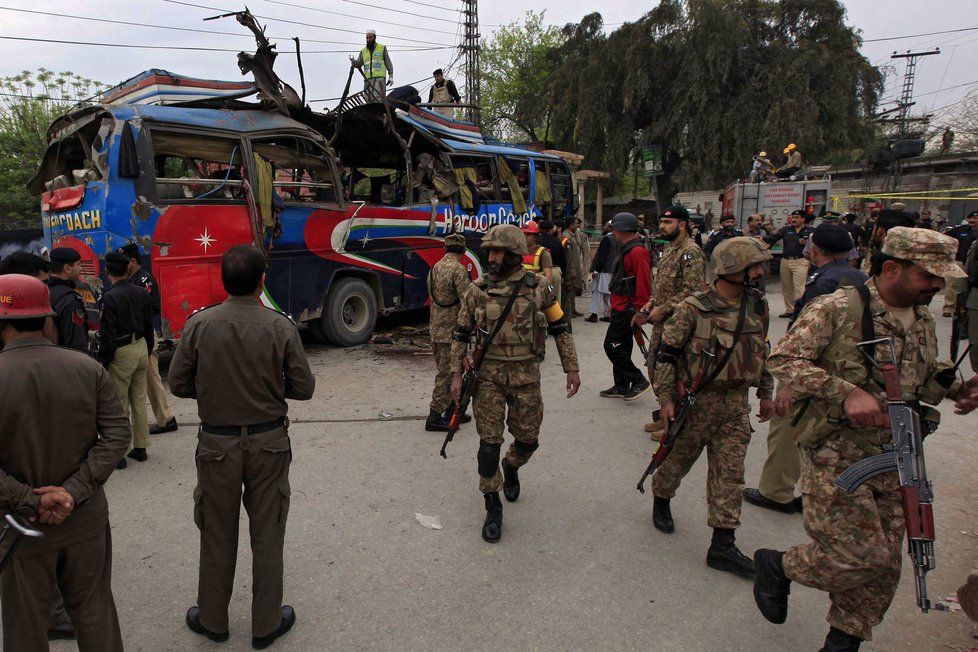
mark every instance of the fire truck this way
{"type": "Point", "coordinates": [775, 200]}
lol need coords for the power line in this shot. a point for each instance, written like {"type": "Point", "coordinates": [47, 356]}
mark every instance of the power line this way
{"type": "Point", "coordinates": [383, 22]}
{"type": "Point", "coordinates": [949, 88]}
{"type": "Point", "coordinates": [295, 22]}
{"type": "Point", "coordinates": [897, 38]}
{"type": "Point", "coordinates": [169, 27]}
{"type": "Point", "coordinates": [426, 4]}
{"type": "Point", "coordinates": [364, 4]}
{"type": "Point", "coordinates": [185, 47]}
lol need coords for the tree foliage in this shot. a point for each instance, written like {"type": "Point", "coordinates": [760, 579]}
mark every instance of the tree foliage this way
{"type": "Point", "coordinates": [715, 81]}
{"type": "Point", "coordinates": [29, 102]}
{"type": "Point", "coordinates": [516, 63]}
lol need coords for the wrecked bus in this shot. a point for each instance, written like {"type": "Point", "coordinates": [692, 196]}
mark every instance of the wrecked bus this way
{"type": "Point", "coordinates": [347, 238]}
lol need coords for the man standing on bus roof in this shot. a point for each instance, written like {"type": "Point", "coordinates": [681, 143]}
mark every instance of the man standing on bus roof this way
{"type": "Point", "coordinates": [509, 380]}
{"type": "Point", "coordinates": [125, 343]}
{"type": "Point", "coordinates": [141, 278]}
{"type": "Point", "coordinates": [443, 91]}
{"type": "Point", "coordinates": [447, 283]}
{"type": "Point", "coordinates": [241, 361]}
{"type": "Point", "coordinates": [374, 61]}
{"type": "Point", "coordinates": [70, 317]}
{"type": "Point", "coordinates": [794, 266]}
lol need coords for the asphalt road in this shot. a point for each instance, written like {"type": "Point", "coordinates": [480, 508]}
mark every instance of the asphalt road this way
{"type": "Point", "coordinates": [579, 566]}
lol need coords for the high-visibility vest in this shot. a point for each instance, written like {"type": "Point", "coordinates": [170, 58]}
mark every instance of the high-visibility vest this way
{"type": "Point", "coordinates": [531, 261]}
{"type": "Point", "coordinates": [373, 62]}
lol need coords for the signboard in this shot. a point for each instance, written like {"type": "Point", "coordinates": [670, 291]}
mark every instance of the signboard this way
{"type": "Point", "coordinates": [782, 195]}
{"type": "Point", "coordinates": [652, 161]}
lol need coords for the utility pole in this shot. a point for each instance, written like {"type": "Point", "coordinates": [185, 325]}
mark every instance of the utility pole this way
{"type": "Point", "coordinates": [906, 94]}
{"type": "Point", "coordinates": [470, 48]}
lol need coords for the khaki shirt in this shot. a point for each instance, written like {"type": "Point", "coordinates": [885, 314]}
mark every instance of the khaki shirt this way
{"type": "Point", "coordinates": [61, 424]}
{"type": "Point", "coordinates": [573, 273]}
{"type": "Point", "coordinates": [446, 285]}
{"type": "Point", "coordinates": [240, 360]}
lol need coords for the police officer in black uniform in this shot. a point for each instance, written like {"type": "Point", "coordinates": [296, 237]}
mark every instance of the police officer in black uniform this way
{"type": "Point", "coordinates": [831, 245]}
{"type": "Point", "coordinates": [70, 317]}
{"type": "Point", "coordinates": [728, 229]}
{"type": "Point", "coordinates": [965, 233]}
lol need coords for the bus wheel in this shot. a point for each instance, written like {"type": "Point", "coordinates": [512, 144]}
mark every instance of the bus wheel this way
{"type": "Point", "coordinates": [350, 312]}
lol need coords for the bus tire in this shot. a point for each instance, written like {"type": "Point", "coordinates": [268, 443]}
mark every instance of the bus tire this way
{"type": "Point", "coordinates": [350, 312]}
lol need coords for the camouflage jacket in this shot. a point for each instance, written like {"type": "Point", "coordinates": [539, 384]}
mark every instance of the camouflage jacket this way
{"type": "Point", "coordinates": [447, 283]}
{"type": "Point", "coordinates": [573, 273]}
{"type": "Point", "coordinates": [819, 359]}
{"type": "Point", "coordinates": [521, 340]}
{"type": "Point", "coordinates": [707, 322]}
{"type": "Point", "coordinates": [680, 272]}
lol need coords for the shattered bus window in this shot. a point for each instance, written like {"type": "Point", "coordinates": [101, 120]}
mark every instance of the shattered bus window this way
{"type": "Point", "coordinates": [301, 169]}
{"type": "Point", "coordinates": [192, 166]}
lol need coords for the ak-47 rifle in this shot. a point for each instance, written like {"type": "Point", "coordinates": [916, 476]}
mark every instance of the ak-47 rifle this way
{"type": "Point", "coordinates": [959, 329]}
{"type": "Point", "coordinates": [905, 454]}
{"type": "Point", "coordinates": [637, 331]}
{"type": "Point", "coordinates": [471, 377]}
{"type": "Point", "coordinates": [640, 339]}
{"type": "Point", "coordinates": [687, 399]}
{"type": "Point", "coordinates": [20, 528]}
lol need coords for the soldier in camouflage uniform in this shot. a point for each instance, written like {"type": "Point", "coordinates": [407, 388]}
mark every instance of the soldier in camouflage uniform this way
{"type": "Point", "coordinates": [510, 374]}
{"type": "Point", "coordinates": [855, 553]}
{"type": "Point", "coordinates": [730, 316]}
{"type": "Point", "coordinates": [447, 283]}
{"type": "Point", "coordinates": [680, 273]}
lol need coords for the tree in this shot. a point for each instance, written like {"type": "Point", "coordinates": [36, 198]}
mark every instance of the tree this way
{"type": "Point", "coordinates": [29, 103]}
{"type": "Point", "coordinates": [516, 65]}
{"type": "Point", "coordinates": [715, 81]}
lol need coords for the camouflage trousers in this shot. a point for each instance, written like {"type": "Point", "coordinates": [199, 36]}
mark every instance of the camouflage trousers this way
{"type": "Point", "coordinates": [441, 395]}
{"type": "Point", "coordinates": [857, 539]}
{"type": "Point", "coordinates": [720, 423]}
{"type": "Point", "coordinates": [521, 408]}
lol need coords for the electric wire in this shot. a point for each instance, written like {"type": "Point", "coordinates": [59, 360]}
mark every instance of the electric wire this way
{"type": "Point", "coordinates": [373, 20]}
{"type": "Point", "coordinates": [184, 47]}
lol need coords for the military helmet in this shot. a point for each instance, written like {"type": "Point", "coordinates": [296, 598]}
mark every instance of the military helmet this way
{"type": "Point", "coordinates": [507, 237]}
{"type": "Point", "coordinates": [737, 254]}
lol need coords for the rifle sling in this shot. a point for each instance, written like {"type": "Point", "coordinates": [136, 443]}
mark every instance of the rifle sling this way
{"type": "Point", "coordinates": [868, 329]}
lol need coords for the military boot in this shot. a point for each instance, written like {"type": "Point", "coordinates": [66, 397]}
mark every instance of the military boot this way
{"type": "Point", "coordinates": [448, 415]}
{"type": "Point", "coordinates": [511, 481]}
{"type": "Point", "coordinates": [839, 641]}
{"type": "Point", "coordinates": [662, 515]}
{"type": "Point", "coordinates": [771, 585]}
{"type": "Point", "coordinates": [723, 555]}
{"type": "Point", "coordinates": [436, 422]}
{"type": "Point", "coordinates": [493, 527]}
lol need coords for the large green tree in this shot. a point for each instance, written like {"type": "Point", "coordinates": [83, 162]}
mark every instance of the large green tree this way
{"type": "Point", "coordinates": [29, 102]}
{"type": "Point", "coordinates": [517, 61]}
{"type": "Point", "coordinates": [715, 81]}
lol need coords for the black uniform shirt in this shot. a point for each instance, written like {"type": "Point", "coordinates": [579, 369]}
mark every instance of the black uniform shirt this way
{"type": "Point", "coordinates": [719, 236]}
{"type": "Point", "coordinates": [70, 317]}
{"type": "Point", "coordinates": [826, 280]}
{"type": "Point", "coordinates": [794, 241]}
{"type": "Point", "coordinates": [143, 279]}
{"type": "Point", "coordinates": [556, 249]}
{"type": "Point", "coordinates": [965, 236]}
{"type": "Point", "coordinates": [125, 311]}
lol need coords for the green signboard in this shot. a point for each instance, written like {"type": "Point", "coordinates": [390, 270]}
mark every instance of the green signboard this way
{"type": "Point", "coordinates": [652, 161]}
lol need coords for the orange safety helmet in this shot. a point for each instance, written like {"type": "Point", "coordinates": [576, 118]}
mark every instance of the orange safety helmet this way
{"type": "Point", "coordinates": [531, 227]}
{"type": "Point", "coordinates": [24, 297]}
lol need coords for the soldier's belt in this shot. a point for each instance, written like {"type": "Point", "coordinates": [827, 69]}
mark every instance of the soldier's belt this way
{"type": "Point", "coordinates": [236, 430]}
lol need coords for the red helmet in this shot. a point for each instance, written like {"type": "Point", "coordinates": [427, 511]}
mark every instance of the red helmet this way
{"type": "Point", "coordinates": [23, 297]}
{"type": "Point", "coordinates": [531, 227]}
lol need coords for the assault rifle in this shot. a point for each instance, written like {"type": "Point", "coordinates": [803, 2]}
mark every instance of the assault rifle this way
{"type": "Point", "coordinates": [640, 339]}
{"type": "Point", "coordinates": [687, 399]}
{"type": "Point", "coordinates": [959, 330]}
{"type": "Point", "coordinates": [905, 454]}
{"type": "Point", "coordinates": [20, 528]}
{"type": "Point", "coordinates": [469, 380]}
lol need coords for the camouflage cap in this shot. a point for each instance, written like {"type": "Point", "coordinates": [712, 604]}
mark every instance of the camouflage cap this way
{"type": "Point", "coordinates": [507, 237]}
{"type": "Point", "coordinates": [455, 239]}
{"type": "Point", "coordinates": [929, 249]}
{"type": "Point", "coordinates": [737, 254]}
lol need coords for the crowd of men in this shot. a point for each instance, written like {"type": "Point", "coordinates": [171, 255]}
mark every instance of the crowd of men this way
{"type": "Point", "coordinates": [709, 337]}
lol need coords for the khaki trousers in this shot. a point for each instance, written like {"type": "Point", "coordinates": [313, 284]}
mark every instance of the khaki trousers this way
{"type": "Point", "coordinates": [794, 274]}
{"type": "Point", "coordinates": [156, 391]}
{"type": "Point", "coordinates": [128, 370]}
{"type": "Point", "coordinates": [260, 464]}
{"type": "Point", "coordinates": [782, 468]}
{"type": "Point", "coordinates": [82, 572]}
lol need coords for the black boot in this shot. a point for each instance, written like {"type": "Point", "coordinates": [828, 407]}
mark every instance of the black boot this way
{"type": "Point", "coordinates": [662, 515]}
{"type": "Point", "coordinates": [451, 409]}
{"type": "Point", "coordinates": [839, 641]}
{"type": "Point", "coordinates": [771, 585]}
{"type": "Point", "coordinates": [435, 422]}
{"type": "Point", "coordinates": [493, 527]}
{"type": "Point", "coordinates": [724, 556]}
{"type": "Point", "coordinates": [511, 481]}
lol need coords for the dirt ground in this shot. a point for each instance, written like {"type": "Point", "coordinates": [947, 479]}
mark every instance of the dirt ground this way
{"type": "Point", "coordinates": [579, 565]}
